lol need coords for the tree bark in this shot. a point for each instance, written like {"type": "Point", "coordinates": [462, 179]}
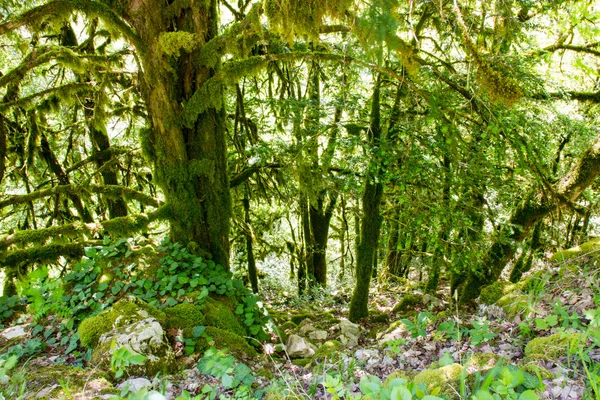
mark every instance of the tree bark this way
{"type": "Point", "coordinates": [371, 218]}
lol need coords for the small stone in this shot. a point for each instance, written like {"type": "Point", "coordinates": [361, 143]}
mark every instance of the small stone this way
{"type": "Point", "coordinates": [298, 348]}
{"type": "Point", "coordinates": [135, 384]}
{"type": "Point", "coordinates": [318, 335]}
{"type": "Point", "coordinates": [14, 332]}
{"type": "Point", "coordinates": [351, 328]}
{"type": "Point", "coordinates": [306, 329]}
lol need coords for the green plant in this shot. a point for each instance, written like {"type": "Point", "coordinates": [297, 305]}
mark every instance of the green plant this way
{"type": "Point", "coordinates": [395, 345]}
{"type": "Point", "coordinates": [418, 327]}
{"type": "Point", "coordinates": [123, 358]}
{"type": "Point", "coordinates": [450, 330]}
{"type": "Point", "coordinates": [567, 320]}
{"type": "Point", "coordinates": [549, 321]}
{"type": "Point", "coordinates": [397, 389]}
{"type": "Point", "coordinates": [508, 382]}
{"type": "Point", "coordinates": [480, 331]}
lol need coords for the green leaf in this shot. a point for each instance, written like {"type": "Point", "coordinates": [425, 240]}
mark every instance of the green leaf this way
{"type": "Point", "coordinates": [528, 395]}
{"type": "Point", "coordinates": [102, 286]}
{"type": "Point", "coordinates": [400, 393]}
{"type": "Point", "coordinates": [483, 395]}
{"type": "Point", "coordinates": [227, 381]}
{"type": "Point", "coordinates": [138, 359]}
{"type": "Point", "coordinates": [197, 331]}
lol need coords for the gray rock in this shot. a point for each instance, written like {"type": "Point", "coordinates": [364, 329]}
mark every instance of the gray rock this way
{"type": "Point", "coordinates": [306, 329]}
{"type": "Point", "coordinates": [298, 348]}
{"type": "Point", "coordinates": [348, 340]}
{"type": "Point", "coordinates": [145, 337]}
{"type": "Point", "coordinates": [135, 384]}
{"type": "Point", "coordinates": [350, 328]}
{"type": "Point", "coordinates": [318, 335]}
{"type": "Point", "coordinates": [367, 354]}
{"type": "Point", "coordinates": [14, 332]}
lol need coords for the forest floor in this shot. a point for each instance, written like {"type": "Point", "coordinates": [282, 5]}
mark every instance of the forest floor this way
{"type": "Point", "coordinates": [541, 336]}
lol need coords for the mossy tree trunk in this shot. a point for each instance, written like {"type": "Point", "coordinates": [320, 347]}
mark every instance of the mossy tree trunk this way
{"type": "Point", "coordinates": [252, 272]}
{"type": "Point", "coordinates": [371, 217]}
{"type": "Point", "coordinates": [531, 211]}
{"type": "Point", "coordinates": [189, 157]}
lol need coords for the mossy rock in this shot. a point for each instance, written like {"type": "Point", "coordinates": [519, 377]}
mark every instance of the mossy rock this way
{"type": "Point", "coordinates": [494, 292]}
{"type": "Point", "coordinates": [485, 361]}
{"type": "Point", "coordinates": [328, 350]}
{"type": "Point", "coordinates": [554, 346]}
{"type": "Point", "coordinates": [222, 316]}
{"type": "Point", "coordinates": [222, 339]}
{"type": "Point", "coordinates": [513, 304]}
{"type": "Point", "coordinates": [184, 316]}
{"type": "Point", "coordinates": [380, 317]}
{"type": "Point", "coordinates": [537, 370]}
{"type": "Point", "coordinates": [408, 303]}
{"type": "Point", "coordinates": [439, 377]}
{"type": "Point", "coordinates": [297, 318]}
{"type": "Point", "coordinates": [302, 362]}
{"type": "Point", "coordinates": [124, 312]}
{"type": "Point", "coordinates": [590, 248]}
{"type": "Point", "coordinates": [43, 382]}
{"type": "Point", "coordinates": [395, 375]}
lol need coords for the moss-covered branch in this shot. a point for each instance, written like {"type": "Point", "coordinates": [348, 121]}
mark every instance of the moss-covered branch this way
{"type": "Point", "coordinates": [61, 9]}
{"type": "Point", "coordinates": [48, 253]}
{"type": "Point", "coordinates": [120, 226]}
{"type": "Point", "coordinates": [63, 91]}
{"type": "Point", "coordinates": [109, 190]}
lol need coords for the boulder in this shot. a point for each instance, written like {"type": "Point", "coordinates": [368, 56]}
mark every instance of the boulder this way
{"type": "Point", "coordinates": [298, 348]}
{"type": "Point", "coordinates": [369, 355]}
{"type": "Point", "coordinates": [135, 384]}
{"type": "Point", "coordinates": [318, 335]}
{"type": "Point", "coordinates": [350, 328]}
{"type": "Point", "coordinates": [348, 340]}
{"type": "Point", "coordinates": [306, 329]}
{"type": "Point", "coordinates": [145, 337]}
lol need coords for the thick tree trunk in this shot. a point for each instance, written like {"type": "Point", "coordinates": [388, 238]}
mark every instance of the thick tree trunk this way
{"type": "Point", "coordinates": [319, 223]}
{"type": "Point", "coordinates": [189, 154]}
{"type": "Point", "coordinates": [371, 218]}
{"type": "Point", "coordinates": [531, 211]}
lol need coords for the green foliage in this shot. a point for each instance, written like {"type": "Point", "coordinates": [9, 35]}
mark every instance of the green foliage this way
{"type": "Point", "coordinates": [480, 332]}
{"type": "Point", "coordinates": [508, 382]}
{"type": "Point", "coordinates": [418, 327]}
{"type": "Point", "coordinates": [123, 358]}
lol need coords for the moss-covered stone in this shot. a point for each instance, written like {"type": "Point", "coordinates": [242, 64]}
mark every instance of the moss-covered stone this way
{"type": "Point", "coordinates": [408, 303]}
{"type": "Point", "coordinates": [484, 361]}
{"type": "Point", "coordinates": [184, 316]}
{"type": "Point", "coordinates": [44, 382]}
{"type": "Point", "coordinates": [380, 317]}
{"type": "Point", "coordinates": [219, 315]}
{"type": "Point", "coordinates": [223, 339]}
{"type": "Point", "coordinates": [406, 375]}
{"type": "Point", "coordinates": [302, 362]}
{"type": "Point", "coordinates": [328, 350]}
{"type": "Point", "coordinates": [494, 292]}
{"type": "Point", "coordinates": [299, 317]}
{"type": "Point", "coordinates": [124, 312]}
{"type": "Point", "coordinates": [439, 377]}
{"type": "Point", "coordinates": [553, 346]}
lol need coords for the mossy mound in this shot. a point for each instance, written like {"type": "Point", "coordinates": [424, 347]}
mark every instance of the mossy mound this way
{"type": "Point", "coordinates": [406, 375]}
{"type": "Point", "coordinates": [223, 339]}
{"type": "Point", "coordinates": [124, 312]}
{"type": "Point", "coordinates": [220, 315]}
{"type": "Point", "coordinates": [485, 361]}
{"type": "Point", "coordinates": [408, 303]}
{"type": "Point", "coordinates": [184, 316]}
{"type": "Point", "coordinates": [590, 248]}
{"type": "Point", "coordinates": [380, 317]}
{"type": "Point", "coordinates": [297, 318]}
{"type": "Point", "coordinates": [43, 382]}
{"type": "Point", "coordinates": [494, 292]}
{"type": "Point", "coordinates": [302, 362]}
{"type": "Point", "coordinates": [439, 377]}
{"type": "Point", "coordinates": [328, 351]}
{"type": "Point", "coordinates": [513, 304]}
{"type": "Point", "coordinates": [553, 346]}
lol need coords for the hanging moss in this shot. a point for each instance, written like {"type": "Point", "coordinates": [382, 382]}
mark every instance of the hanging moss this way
{"type": "Point", "coordinates": [500, 89]}
{"type": "Point", "coordinates": [171, 43]}
{"type": "Point", "coordinates": [210, 95]}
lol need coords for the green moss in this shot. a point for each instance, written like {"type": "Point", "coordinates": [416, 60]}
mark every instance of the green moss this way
{"type": "Point", "coordinates": [171, 43]}
{"type": "Point", "coordinates": [184, 316]}
{"type": "Point", "coordinates": [553, 346]}
{"type": "Point", "coordinates": [439, 377]}
{"type": "Point", "coordinates": [223, 339]}
{"type": "Point", "coordinates": [492, 293]}
{"type": "Point", "coordinates": [219, 315]}
{"type": "Point", "coordinates": [328, 350]}
{"type": "Point", "coordinates": [513, 304]}
{"type": "Point", "coordinates": [299, 317]}
{"type": "Point", "coordinates": [408, 302]}
{"type": "Point", "coordinates": [302, 362]}
{"type": "Point", "coordinates": [483, 361]}
{"type": "Point", "coordinates": [397, 374]}
{"type": "Point", "coordinates": [79, 381]}
{"type": "Point", "coordinates": [380, 317]}
{"type": "Point", "coordinates": [123, 312]}
{"type": "Point", "coordinates": [591, 248]}
{"type": "Point", "coordinates": [265, 373]}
